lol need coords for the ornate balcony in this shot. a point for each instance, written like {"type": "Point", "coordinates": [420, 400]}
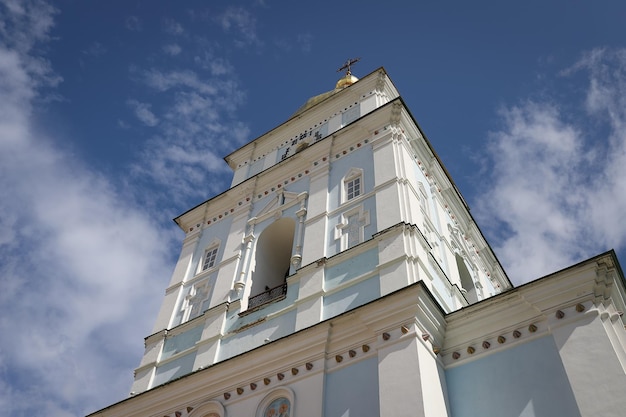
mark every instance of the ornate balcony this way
{"type": "Point", "coordinates": [273, 294]}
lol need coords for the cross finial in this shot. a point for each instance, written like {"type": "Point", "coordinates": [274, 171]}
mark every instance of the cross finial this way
{"type": "Point", "coordinates": [348, 64]}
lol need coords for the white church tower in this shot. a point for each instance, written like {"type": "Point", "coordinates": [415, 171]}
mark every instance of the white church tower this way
{"type": "Point", "coordinates": [342, 275]}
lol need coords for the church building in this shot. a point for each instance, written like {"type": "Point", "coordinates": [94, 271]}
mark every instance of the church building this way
{"type": "Point", "coordinates": [342, 275]}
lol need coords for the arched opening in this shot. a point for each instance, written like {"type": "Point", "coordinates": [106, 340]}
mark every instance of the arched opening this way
{"type": "Point", "coordinates": [278, 403]}
{"type": "Point", "coordinates": [208, 409]}
{"type": "Point", "coordinates": [272, 258]}
{"type": "Point", "coordinates": [466, 280]}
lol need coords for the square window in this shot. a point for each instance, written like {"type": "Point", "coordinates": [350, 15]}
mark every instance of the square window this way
{"type": "Point", "coordinates": [209, 258]}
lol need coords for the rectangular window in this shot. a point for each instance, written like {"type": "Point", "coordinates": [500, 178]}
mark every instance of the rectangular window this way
{"type": "Point", "coordinates": [209, 258]}
{"type": "Point", "coordinates": [353, 188]}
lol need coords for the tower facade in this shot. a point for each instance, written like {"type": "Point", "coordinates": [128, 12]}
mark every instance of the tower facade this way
{"type": "Point", "coordinates": [342, 274]}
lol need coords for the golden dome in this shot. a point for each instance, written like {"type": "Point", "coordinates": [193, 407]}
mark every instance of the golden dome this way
{"type": "Point", "coordinates": [314, 100]}
{"type": "Point", "coordinates": [346, 81]}
{"type": "Point", "coordinates": [349, 79]}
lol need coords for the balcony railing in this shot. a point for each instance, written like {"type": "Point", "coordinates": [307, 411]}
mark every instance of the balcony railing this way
{"type": "Point", "coordinates": [273, 294]}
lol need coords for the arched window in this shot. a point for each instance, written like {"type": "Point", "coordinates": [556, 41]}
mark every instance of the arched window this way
{"type": "Point", "coordinates": [278, 403]}
{"type": "Point", "coordinates": [272, 261]}
{"type": "Point", "coordinates": [466, 280]}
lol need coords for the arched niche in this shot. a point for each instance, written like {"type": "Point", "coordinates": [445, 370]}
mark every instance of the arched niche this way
{"type": "Point", "coordinates": [277, 403]}
{"type": "Point", "coordinates": [208, 409]}
{"type": "Point", "coordinates": [467, 283]}
{"type": "Point", "coordinates": [273, 255]}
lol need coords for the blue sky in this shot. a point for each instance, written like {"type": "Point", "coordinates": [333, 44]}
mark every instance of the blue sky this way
{"type": "Point", "coordinates": [115, 117]}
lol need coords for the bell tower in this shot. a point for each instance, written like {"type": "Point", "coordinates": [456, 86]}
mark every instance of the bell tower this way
{"type": "Point", "coordinates": [342, 204]}
{"type": "Point", "coordinates": [285, 280]}
{"type": "Point", "coordinates": [342, 274]}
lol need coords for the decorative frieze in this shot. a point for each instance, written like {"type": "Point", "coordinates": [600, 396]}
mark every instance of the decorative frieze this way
{"type": "Point", "coordinates": [240, 390]}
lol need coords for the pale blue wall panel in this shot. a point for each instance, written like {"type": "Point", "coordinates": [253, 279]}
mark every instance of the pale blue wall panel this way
{"type": "Point", "coordinates": [351, 297]}
{"type": "Point", "coordinates": [175, 369]}
{"type": "Point", "coordinates": [256, 335]}
{"type": "Point", "coordinates": [528, 380]}
{"type": "Point", "coordinates": [350, 269]}
{"type": "Point", "coordinates": [181, 342]}
{"type": "Point", "coordinates": [353, 391]}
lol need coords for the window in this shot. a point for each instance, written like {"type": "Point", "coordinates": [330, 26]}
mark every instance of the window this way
{"type": "Point", "coordinates": [280, 407]}
{"type": "Point", "coordinates": [209, 258]}
{"type": "Point", "coordinates": [353, 188]}
{"type": "Point", "coordinates": [467, 283]}
{"type": "Point", "coordinates": [278, 403]}
{"type": "Point", "coordinates": [352, 184]}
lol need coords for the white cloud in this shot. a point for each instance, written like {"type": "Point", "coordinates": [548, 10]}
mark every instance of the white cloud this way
{"type": "Point", "coordinates": [243, 23]}
{"type": "Point", "coordinates": [556, 186]}
{"type": "Point", "coordinates": [218, 66]}
{"type": "Point", "coordinates": [173, 27]}
{"type": "Point", "coordinates": [81, 266]}
{"type": "Point", "coordinates": [96, 49]}
{"type": "Point", "coordinates": [35, 15]}
{"type": "Point", "coordinates": [163, 81]}
{"type": "Point", "coordinates": [196, 129]}
{"type": "Point", "coordinates": [143, 112]}
{"type": "Point", "coordinates": [172, 49]}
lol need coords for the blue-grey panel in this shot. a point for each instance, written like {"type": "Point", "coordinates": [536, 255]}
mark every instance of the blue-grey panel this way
{"type": "Point", "coordinates": [353, 391]}
{"type": "Point", "coordinates": [181, 342]}
{"type": "Point", "coordinates": [257, 334]}
{"type": "Point", "coordinates": [527, 380]}
{"type": "Point", "coordinates": [351, 297]}
{"type": "Point", "coordinates": [350, 268]}
{"type": "Point", "coordinates": [175, 369]}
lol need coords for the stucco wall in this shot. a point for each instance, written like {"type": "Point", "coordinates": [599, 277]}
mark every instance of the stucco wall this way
{"type": "Point", "coordinates": [528, 380]}
{"type": "Point", "coordinates": [353, 390]}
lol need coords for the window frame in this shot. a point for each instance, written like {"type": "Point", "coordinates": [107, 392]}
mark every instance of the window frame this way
{"type": "Point", "coordinates": [210, 254]}
{"type": "Point", "coordinates": [276, 393]}
{"type": "Point", "coordinates": [354, 176]}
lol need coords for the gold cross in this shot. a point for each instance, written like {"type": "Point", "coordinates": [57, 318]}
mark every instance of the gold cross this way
{"type": "Point", "coordinates": [348, 64]}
